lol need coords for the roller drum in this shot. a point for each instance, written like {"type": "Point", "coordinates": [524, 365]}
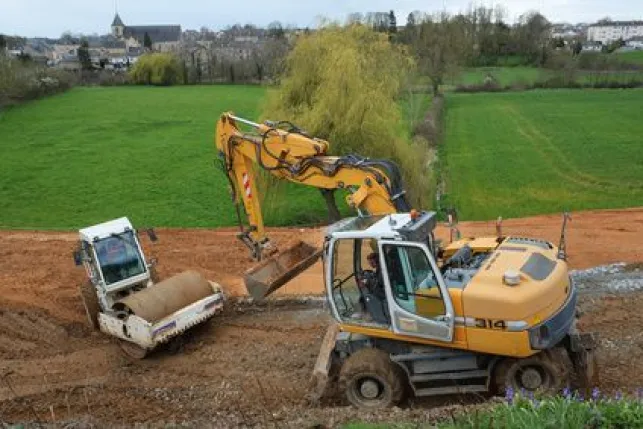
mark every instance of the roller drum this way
{"type": "Point", "coordinates": [164, 298]}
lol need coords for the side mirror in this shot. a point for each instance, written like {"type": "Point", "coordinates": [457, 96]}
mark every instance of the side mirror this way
{"type": "Point", "coordinates": [78, 260]}
{"type": "Point", "coordinates": [152, 234]}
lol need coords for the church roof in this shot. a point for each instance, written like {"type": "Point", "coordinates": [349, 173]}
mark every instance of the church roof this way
{"type": "Point", "coordinates": [118, 22]}
{"type": "Point", "coordinates": [157, 33]}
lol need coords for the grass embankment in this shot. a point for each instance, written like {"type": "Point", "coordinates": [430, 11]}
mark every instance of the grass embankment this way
{"type": "Point", "coordinates": [519, 154]}
{"type": "Point", "coordinates": [93, 154]}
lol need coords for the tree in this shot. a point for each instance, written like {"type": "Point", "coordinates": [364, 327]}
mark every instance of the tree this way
{"type": "Point", "coordinates": [558, 42]}
{"type": "Point", "coordinates": [378, 21]}
{"type": "Point", "coordinates": [392, 23]}
{"type": "Point", "coordinates": [439, 48]}
{"type": "Point", "coordinates": [354, 18]}
{"type": "Point", "coordinates": [84, 58]}
{"type": "Point", "coordinates": [532, 34]}
{"type": "Point", "coordinates": [577, 47]}
{"type": "Point", "coordinates": [157, 69]}
{"type": "Point", "coordinates": [3, 44]}
{"type": "Point", "coordinates": [342, 84]}
{"type": "Point", "coordinates": [276, 30]}
{"type": "Point", "coordinates": [147, 42]}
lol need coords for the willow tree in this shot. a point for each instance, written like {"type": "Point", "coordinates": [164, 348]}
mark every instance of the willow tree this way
{"type": "Point", "coordinates": [342, 84]}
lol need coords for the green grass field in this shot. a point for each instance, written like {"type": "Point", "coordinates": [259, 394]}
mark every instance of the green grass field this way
{"type": "Point", "coordinates": [93, 154]}
{"type": "Point", "coordinates": [632, 57]}
{"type": "Point", "coordinates": [518, 154]}
{"type": "Point", "coordinates": [97, 153]}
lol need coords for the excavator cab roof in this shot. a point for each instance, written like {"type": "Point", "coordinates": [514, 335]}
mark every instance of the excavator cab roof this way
{"type": "Point", "coordinates": [395, 226]}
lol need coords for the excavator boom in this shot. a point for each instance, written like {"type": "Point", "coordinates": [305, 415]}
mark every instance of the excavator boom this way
{"type": "Point", "coordinates": [289, 153]}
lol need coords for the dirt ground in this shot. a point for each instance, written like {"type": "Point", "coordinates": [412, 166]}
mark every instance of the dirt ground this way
{"type": "Point", "coordinates": [251, 366]}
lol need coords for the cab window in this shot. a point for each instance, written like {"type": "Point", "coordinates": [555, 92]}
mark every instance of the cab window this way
{"type": "Point", "coordinates": [357, 285]}
{"type": "Point", "coordinates": [414, 284]}
{"type": "Point", "coordinates": [118, 257]}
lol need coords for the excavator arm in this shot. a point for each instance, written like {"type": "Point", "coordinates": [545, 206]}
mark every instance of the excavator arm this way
{"type": "Point", "coordinates": [287, 152]}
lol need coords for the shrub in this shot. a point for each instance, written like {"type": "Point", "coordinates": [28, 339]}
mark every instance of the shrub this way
{"type": "Point", "coordinates": [566, 411]}
{"type": "Point", "coordinates": [157, 69]}
{"type": "Point", "coordinates": [342, 84]}
{"type": "Point", "coordinates": [22, 81]}
{"type": "Point", "coordinates": [105, 78]}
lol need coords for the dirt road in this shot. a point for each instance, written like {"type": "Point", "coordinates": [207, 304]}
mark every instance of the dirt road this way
{"type": "Point", "coordinates": [251, 366]}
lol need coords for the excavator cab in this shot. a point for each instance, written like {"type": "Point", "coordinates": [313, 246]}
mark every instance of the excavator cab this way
{"type": "Point", "coordinates": [481, 315]}
{"type": "Point", "coordinates": [405, 293]}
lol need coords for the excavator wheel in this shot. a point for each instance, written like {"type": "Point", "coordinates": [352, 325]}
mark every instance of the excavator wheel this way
{"type": "Point", "coordinates": [370, 380]}
{"type": "Point", "coordinates": [531, 374]}
{"type": "Point", "coordinates": [90, 303]}
{"type": "Point", "coordinates": [132, 350]}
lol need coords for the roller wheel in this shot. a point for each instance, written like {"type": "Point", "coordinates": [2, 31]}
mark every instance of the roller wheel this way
{"type": "Point", "coordinates": [132, 350]}
{"type": "Point", "coordinates": [370, 380]}
{"type": "Point", "coordinates": [530, 374]}
{"type": "Point", "coordinates": [90, 303]}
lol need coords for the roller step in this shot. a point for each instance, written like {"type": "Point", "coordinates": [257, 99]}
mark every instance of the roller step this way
{"type": "Point", "coordinates": [435, 391]}
{"type": "Point", "coordinates": [449, 376]}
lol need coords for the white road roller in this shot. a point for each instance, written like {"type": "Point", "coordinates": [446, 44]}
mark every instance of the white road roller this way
{"type": "Point", "coordinates": [123, 298]}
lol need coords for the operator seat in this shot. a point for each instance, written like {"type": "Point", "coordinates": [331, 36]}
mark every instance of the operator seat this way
{"type": "Point", "coordinates": [375, 298]}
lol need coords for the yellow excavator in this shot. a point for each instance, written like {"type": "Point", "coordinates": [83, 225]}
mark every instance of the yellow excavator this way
{"type": "Point", "coordinates": [410, 314]}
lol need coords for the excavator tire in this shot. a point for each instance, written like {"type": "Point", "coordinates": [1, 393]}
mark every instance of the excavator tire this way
{"type": "Point", "coordinates": [370, 379]}
{"type": "Point", "coordinates": [90, 303]}
{"type": "Point", "coordinates": [536, 373]}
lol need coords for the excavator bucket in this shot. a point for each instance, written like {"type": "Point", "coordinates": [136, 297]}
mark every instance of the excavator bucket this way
{"type": "Point", "coordinates": [271, 274]}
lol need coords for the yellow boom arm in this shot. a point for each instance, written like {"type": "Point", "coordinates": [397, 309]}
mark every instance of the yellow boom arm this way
{"type": "Point", "coordinates": [288, 153]}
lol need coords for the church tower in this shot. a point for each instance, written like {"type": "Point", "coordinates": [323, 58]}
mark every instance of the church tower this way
{"type": "Point", "coordinates": [118, 27]}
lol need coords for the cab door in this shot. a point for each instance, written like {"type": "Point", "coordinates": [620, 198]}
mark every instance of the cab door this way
{"type": "Point", "coordinates": [418, 299]}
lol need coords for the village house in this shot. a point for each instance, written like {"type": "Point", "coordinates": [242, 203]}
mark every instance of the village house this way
{"type": "Point", "coordinates": [165, 38]}
{"type": "Point", "coordinates": [615, 30]}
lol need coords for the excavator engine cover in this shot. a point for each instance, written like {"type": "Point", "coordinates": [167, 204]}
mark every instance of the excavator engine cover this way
{"type": "Point", "coordinates": [268, 276]}
{"type": "Point", "coordinates": [164, 298]}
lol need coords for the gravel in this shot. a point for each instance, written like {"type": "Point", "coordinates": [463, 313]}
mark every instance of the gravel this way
{"type": "Point", "coordinates": [608, 279]}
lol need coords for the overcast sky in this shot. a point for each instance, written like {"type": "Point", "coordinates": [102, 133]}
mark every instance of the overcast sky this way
{"type": "Point", "coordinates": [50, 18]}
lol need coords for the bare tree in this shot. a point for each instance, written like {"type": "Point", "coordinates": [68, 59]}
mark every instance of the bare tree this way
{"type": "Point", "coordinates": [354, 18]}
{"type": "Point", "coordinates": [439, 48]}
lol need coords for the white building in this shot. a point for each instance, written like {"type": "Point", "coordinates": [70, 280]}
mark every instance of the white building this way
{"type": "Point", "coordinates": [635, 43]}
{"type": "Point", "coordinates": [615, 30]}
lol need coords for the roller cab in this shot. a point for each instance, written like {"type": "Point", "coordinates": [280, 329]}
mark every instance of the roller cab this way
{"type": "Point", "coordinates": [123, 298]}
